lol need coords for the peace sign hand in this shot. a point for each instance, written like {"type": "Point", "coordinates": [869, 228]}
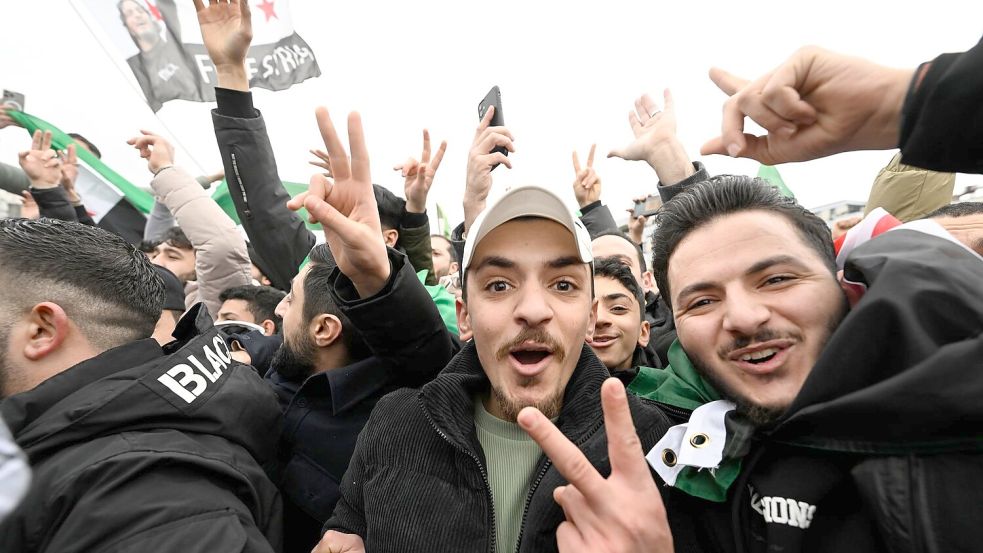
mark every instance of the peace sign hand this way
{"type": "Point", "coordinates": [596, 517]}
{"type": "Point", "coordinates": [586, 184]}
{"type": "Point", "coordinates": [419, 175]}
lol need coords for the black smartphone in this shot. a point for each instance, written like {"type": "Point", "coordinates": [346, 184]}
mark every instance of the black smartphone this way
{"type": "Point", "coordinates": [13, 99]}
{"type": "Point", "coordinates": [648, 206]}
{"type": "Point", "coordinates": [493, 98]}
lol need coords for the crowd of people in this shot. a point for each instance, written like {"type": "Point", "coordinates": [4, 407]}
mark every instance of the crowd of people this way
{"type": "Point", "coordinates": [529, 382]}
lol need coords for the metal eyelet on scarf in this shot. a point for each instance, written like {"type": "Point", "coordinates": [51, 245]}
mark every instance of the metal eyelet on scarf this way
{"type": "Point", "coordinates": [699, 440]}
{"type": "Point", "coordinates": [669, 457]}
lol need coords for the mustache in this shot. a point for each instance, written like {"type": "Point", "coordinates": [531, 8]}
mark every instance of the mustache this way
{"type": "Point", "coordinates": [764, 335]}
{"type": "Point", "coordinates": [537, 335]}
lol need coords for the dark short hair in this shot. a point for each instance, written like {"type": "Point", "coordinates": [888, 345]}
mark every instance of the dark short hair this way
{"type": "Point", "coordinates": [261, 300]}
{"type": "Point", "coordinates": [611, 267]}
{"type": "Point", "coordinates": [725, 195]}
{"type": "Point", "coordinates": [148, 246]}
{"type": "Point", "coordinates": [961, 209]}
{"type": "Point", "coordinates": [175, 237]}
{"type": "Point", "coordinates": [106, 286]}
{"type": "Point", "coordinates": [638, 249]}
{"type": "Point", "coordinates": [318, 300]}
{"type": "Point", "coordinates": [451, 251]}
{"type": "Point", "coordinates": [92, 147]}
{"type": "Point", "coordinates": [391, 207]}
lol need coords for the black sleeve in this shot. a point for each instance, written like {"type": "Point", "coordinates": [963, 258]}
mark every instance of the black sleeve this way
{"type": "Point", "coordinates": [669, 191]}
{"type": "Point", "coordinates": [83, 215]}
{"type": "Point", "coordinates": [53, 203]}
{"type": "Point", "coordinates": [278, 236]}
{"type": "Point", "coordinates": [942, 118]}
{"type": "Point", "coordinates": [457, 240]}
{"type": "Point", "coordinates": [422, 346]}
{"type": "Point", "coordinates": [414, 239]}
{"type": "Point", "coordinates": [598, 219]}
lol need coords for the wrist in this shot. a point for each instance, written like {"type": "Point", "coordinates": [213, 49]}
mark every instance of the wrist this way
{"type": "Point", "coordinates": [413, 206]}
{"type": "Point", "coordinates": [42, 184]}
{"type": "Point", "coordinates": [162, 168]}
{"type": "Point", "coordinates": [233, 76]}
{"type": "Point", "coordinates": [369, 283]}
{"type": "Point", "coordinates": [671, 163]}
{"type": "Point", "coordinates": [888, 117]}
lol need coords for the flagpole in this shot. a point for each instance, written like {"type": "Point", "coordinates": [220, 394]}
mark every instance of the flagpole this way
{"type": "Point", "coordinates": [133, 85]}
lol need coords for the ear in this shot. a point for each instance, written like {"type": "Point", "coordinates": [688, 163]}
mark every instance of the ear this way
{"type": "Point", "coordinates": [465, 332]}
{"type": "Point", "coordinates": [48, 327]}
{"type": "Point", "coordinates": [325, 329]}
{"type": "Point", "coordinates": [269, 327]}
{"type": "Point", "coordinates": [648, 282]}
{"type": "Point", "coordinates": [390, 236]}
{"type": "Point", "coordinates": [265, 281]}
{"type": "Point", "coordinates": [453, 268]}
{"type": "Point", "coordinates": [592, 319]}
{"type": "Point", "coordinates": [645, 334]}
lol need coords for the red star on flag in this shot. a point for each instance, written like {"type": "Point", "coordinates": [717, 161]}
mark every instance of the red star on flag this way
{"type": "Point", "coordinates": [154, 11]}
{"type": "Point", "coordinates": [267, 8]}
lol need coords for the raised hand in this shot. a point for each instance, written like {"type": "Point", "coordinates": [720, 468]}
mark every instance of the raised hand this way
{"type": "Point", "coordinates": [655, 139]}
{"type": "Point", "coordinates": [70, 173]}
{"type": "Point", "coordinates": [419, 175]}
{"type": "Point", "coordinates": [586, 183]}
{"type": "Point", "coordinates": [481, 161]}
{"type": "Point", "coordinates": [595, 507]}
{"type": "Point", "coordinates": [155, 149]}
{"type": "Point", "coordinates": [336, 542]}
{"type": "Point", "coordinates": [227, 30]}
{"type": "Point", "coordinates": [5, 119]}
{"type": "Point", "coordinates": [346, 208]}
{"type": "Point", "coordinates": [41, 164]}
{"type": "Point", "coordinates": [816, 104]}
{"type": "Point", "coordinates": [29, 209]}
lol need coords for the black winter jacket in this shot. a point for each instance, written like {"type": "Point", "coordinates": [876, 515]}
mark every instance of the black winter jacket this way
{"type": "Point", "coordinates": [135, 450]}
{"type": "Point", "coordinates": [882, 449]}
{"type": "Point", "coordinates": [324, 414]}
{"type": "Point", "coordinates": [418, 481]}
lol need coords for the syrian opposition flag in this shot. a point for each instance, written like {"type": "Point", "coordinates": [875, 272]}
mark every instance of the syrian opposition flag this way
{"type": "Point", "coordinates": [114, 203]}
{"type": "Point", "coordinates": [159, 43]}
{"type": "Point", "coordinates": [770, 174]}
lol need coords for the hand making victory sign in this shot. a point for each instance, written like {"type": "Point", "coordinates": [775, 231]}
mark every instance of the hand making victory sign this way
{"type": "Point", "coordinates": [586, 184]}
{"type": "Point", "coordinates": [419, 175]}
{"type": "Point", "coordinates": [597, 519]}
{"type": "Point", "coordinates": [347, 209]}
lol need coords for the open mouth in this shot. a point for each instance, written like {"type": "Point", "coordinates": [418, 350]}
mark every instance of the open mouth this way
{"type": "Point", "coordinates": [762, 358]}
{"type": "Point", "coordinates": [526, 357]}
{"type": "Point", "coordinates": [530, 359]}
{"type": "Point", "coordinates": [759, 357]}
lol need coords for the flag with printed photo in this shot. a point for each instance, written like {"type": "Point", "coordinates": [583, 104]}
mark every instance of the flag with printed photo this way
{"type": "Point", "coordinates": [159, 43]}
{"type": "Point", "coordinates": [114, 203]}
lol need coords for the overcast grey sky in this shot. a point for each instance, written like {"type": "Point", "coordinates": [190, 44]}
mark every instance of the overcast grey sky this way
{"type": "Point", "coordinates": [569, 73]}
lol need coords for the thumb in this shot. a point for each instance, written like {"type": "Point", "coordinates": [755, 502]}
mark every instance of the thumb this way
{"type": "Point", "coordinates": [617, 153]}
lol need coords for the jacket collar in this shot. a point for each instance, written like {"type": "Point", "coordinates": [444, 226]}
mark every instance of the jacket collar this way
{"type": "Point", "coordinates": [448, 399]}
{"type": "Point", "coordinates": [346, 386]}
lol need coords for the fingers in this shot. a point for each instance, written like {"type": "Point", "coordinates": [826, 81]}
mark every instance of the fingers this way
{"type": "Point", "coordinates": [36, 139]}
{"type": "Point", "coordinates": [199, 5]}
{"type": "Point", "coordinates": [727, 82]}
{"type": "Point", "coordinates": [425, 157]}
{"type": "Point", "coordinates": [435, 162]}
{"type": "Point", "coordinates": [360, 152]}
{"type": "Point", "coordinates": [297, 202]}
{"type": "Point", "coordinates": [567, 458]}
{"type": "Point", "coordinates": [338, 158]}
{"type": "Point", "coordinates": [649, 107]}
{"type": "Point", "coordinates": [624, 447]}
{"type": "Point", "coordinates": [244, 11]}
{"type": "Point", "coordinates": [617, 153]}
{"type": "Point", "coordinates": [576, 164]}
{"type": "Point", "coordinates": [46, 141]}
{"type": "Point", "coordinates": [495, 158]}
{"type": "Point", "coordinates": [636, 124]}
{"type": "Point", "coordinates": [485, 121]}
{"type": "Point", "coordinates": [780, 94]}
{"type": "Point", "coordinates": [590, 156]}
{"type": "Point", "coordinates": [72, 154]}
{"type": "Point", "coordinates": [494, 139]}
{"type": "Point", "coordinates": [732, 128]}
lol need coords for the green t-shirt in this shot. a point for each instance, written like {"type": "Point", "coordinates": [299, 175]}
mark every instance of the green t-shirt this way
{"type": "Point", "coordinates": [512, 457]}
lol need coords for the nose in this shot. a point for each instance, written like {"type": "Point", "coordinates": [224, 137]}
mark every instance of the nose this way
{"type": "Point", "coordinates": [745, 312]}
{"type": "Point", "coordinates": [532, 307]}
{"type": "Point", "coordinates": [281, 308]}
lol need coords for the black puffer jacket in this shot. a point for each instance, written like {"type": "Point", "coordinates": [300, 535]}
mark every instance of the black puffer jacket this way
{"type": "Point", "coordinates": [418, 481]}
{"type": "Point", "coordinates": [135, 450]}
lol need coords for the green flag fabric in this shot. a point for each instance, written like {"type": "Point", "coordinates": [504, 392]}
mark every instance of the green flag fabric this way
{"type": "Point", "coordinates": [114, 203]}
{"type": "Point", "coordinates": [771, 175]}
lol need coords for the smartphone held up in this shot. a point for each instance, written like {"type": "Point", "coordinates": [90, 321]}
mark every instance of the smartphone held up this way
{"type": "Point", "coordinates": [493, 98]}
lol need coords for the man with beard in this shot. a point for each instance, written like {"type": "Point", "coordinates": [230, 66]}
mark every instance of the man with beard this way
{"type": "Point", "coordinates": [356, 325]}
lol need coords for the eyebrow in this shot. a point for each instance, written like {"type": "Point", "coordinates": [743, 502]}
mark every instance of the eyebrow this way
{"type": "Point", "coordinates": [753, 269]}
{"type": "Point", "coordinates": [616, 296]}
{"type": "Point", "coordinates": [505, 263]}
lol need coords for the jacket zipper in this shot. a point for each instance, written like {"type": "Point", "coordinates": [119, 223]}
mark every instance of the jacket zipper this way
{"type": "Point", "coordinates": [242, 189]}
{"type": "Point", "coordinates": [481, 468]}
{"type": "Point", "coordinates": [539, 479]}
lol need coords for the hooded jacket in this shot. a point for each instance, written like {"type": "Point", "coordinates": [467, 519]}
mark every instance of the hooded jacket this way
{"type": "Point", "coordinates": [418, 479]}
{"type": "Point", "coordinates": [141, 449]}
{"type": "Point", "coordinates": [882, 449]}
